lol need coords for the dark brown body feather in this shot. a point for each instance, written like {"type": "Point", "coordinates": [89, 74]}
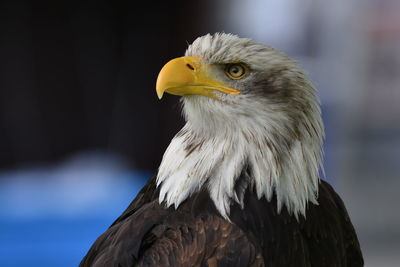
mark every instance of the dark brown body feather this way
{"type": "Point", "coordinates": [147, 234]}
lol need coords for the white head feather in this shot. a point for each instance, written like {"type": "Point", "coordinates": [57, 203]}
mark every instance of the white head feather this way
{"type": "Point", "coordinates": [272, 132]}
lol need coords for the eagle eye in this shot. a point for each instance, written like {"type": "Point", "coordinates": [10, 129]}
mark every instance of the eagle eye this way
{"type": "Point", "coordinates": [235, 71]}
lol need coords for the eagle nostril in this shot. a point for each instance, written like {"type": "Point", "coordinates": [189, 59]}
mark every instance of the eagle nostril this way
{"type": "Point", "coordinates": [190, 66]}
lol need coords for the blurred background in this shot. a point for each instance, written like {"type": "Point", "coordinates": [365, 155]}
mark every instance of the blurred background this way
{"type": "Point", "coordinates": [81, 128]}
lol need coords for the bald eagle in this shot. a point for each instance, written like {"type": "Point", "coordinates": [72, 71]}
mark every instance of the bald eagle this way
{"type": "Point", "coordinates": [239, 184]}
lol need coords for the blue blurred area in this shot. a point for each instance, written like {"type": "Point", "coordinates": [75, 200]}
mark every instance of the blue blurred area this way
{"type": "Point", "coordinates": [53, 219]}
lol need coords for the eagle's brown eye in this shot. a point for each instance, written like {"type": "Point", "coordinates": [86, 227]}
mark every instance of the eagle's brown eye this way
{"type": "Point", "coordinates": [235, 71]}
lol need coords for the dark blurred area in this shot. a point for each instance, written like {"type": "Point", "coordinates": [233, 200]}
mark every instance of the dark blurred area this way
{"type": "Point", "coordinates": [81, 75]}
{"type": "Point", "coordinates": [81, 127]}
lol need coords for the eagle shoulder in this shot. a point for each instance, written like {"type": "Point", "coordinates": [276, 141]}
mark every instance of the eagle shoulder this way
{"type": "Point", "coordinates": [207, 240]}
{"type": "Point", "coordinates": [148, 234]}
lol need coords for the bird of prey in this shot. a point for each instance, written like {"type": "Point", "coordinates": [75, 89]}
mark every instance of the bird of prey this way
{"type": "Point", "coordinates": [238, 185]}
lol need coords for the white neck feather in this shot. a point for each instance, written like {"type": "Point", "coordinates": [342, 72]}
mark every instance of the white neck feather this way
{"type": "Point", "coordinates": [198, 158]}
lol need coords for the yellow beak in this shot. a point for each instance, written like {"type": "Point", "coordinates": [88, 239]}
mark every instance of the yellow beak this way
{"type": "Point", "coordinates": [188, 76]}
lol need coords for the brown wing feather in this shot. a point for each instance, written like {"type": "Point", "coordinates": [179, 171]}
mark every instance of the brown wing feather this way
{"type": "Point", "coordinates": [148, 234]}
{"type": "Point", "coordinates": [202, 241]}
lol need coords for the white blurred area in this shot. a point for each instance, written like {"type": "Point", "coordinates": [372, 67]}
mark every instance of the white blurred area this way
{"type": "Point", "coordinates": [351, 49]}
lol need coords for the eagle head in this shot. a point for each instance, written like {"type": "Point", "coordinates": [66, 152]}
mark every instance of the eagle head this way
{"type": "Point", "coordinates": [253, 122]}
